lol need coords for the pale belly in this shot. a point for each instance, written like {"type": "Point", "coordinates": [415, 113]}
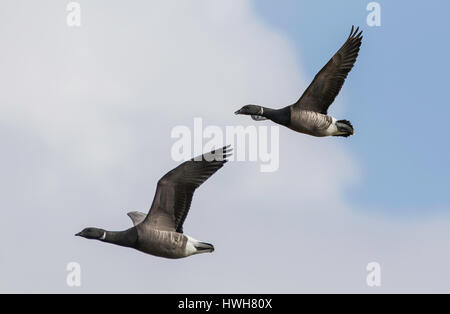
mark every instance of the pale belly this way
{"type": "Point", "coordinates": [312, 123]}
{"type": "Point", "coordinates": [163, 244]}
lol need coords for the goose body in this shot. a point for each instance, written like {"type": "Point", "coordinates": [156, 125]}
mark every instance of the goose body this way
{"type": "Point", "coordinates": [312, 123]}
{"type": "Point", "coordinates": [160, 232]}
{"type": "Point", "coordinates": [309, 115]}
{"type": "Point", "coordinates": [169, 244]}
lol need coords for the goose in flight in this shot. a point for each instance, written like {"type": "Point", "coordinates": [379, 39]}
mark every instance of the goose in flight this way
{"type": "Point", "coordinates": [160, 232]}
{"type": "Point", "coordinates": [309, 114]}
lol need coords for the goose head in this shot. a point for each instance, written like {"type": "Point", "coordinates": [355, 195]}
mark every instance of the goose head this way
{"type": "Point", "coordinates": [251, 110]}
{"type": "Point", "coordinates": [92, 233]}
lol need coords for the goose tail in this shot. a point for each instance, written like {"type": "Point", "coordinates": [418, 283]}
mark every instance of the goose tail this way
{"type": "Point", "coordinates": [345, 128]}
{"type": "Point", "coordinates": [203, 247]}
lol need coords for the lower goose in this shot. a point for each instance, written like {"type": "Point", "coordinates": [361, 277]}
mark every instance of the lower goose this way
{"type": "Point", "coordinates": [160, 232]}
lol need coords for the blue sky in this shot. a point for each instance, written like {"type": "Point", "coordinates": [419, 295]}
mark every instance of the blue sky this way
{"type": "Point", "coordinates": [396, 96]}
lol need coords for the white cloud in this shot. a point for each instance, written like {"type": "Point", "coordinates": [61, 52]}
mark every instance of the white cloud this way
{"type": "Point", "coordinates": [87, 115]}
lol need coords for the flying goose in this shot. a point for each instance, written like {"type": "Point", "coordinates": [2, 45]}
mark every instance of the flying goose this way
{"type": "Point", "coordinates": [309, 114]}
{"type": "Point", "coordinates": [160, 232]}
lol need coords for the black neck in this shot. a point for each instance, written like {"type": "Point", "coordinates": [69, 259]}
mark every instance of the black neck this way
{"type": "Point", "coordinates": [127, 238]}
{"type": "Point", "coordinates": [281, 116]}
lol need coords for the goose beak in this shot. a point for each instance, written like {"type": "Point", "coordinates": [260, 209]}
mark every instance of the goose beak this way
{"type": "Point", "coordinates": [78, 234]}
{"type": "Point", "coordinates": [237, 112]}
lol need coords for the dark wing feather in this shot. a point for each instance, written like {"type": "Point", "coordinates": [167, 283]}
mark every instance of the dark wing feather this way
{"type": "Point", "coordinates": [175, 189]}
{"type": "Point", "coordinates": [326, 85]}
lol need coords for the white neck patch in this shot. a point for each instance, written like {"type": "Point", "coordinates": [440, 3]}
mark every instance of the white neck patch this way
{"type": "Point", "coordinates": [103, 237]}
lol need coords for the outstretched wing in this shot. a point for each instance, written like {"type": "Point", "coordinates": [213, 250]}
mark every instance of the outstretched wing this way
{"type": "Point", "coordinates": [326, 85]}
{"type": "Point", "coordinates": [175, 190]}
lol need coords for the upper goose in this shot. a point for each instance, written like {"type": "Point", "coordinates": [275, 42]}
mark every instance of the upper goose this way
{"type": "Point", "coordinates": [160, 232]}
{"type": "Point", "coordinates": [309, 114]}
